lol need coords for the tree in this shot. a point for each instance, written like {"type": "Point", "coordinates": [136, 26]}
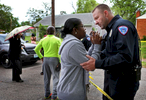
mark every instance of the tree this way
{"type": "Point", "coordinates": [36, 15]}
{"type": "Point", "coordinates": [63, 12]}
{"type": "Point", "coordinates": [25, 23]}
{"type": "Point", "coordinates": [86, 6]}
{"type": "Point", "coordinates": [42, 30]}
{"type": "Point", "coordinates": [7, 21]}
{"type": "Point", "coordinates": [127, 8]}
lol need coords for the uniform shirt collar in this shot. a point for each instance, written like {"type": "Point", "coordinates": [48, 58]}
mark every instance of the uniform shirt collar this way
{"type": "Point", "coordinates": [112, 22]}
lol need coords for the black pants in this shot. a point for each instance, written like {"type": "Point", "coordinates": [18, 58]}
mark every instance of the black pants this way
{"type": "Point", "coordinates": [16, 69]}
{"type": "Point", "coordinates": [119, 87]}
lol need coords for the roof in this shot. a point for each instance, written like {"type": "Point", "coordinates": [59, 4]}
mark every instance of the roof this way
{"type": "Point", "coordinates": [142, 17]}
{"type": "Point", "coordinates": [86, 19]}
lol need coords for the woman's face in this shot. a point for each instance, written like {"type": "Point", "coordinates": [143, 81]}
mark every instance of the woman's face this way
{"type": "Point", "coordinates": [80, 30]}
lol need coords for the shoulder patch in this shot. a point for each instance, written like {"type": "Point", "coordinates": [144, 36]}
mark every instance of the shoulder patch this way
{"type": "Point", "coordinates": [123, 30]}
{"type": "Point", "coordinates": [88, 38]}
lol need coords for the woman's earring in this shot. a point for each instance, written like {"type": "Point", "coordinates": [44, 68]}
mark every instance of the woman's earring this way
{"type": "Point", "coordinates": [75, 32]}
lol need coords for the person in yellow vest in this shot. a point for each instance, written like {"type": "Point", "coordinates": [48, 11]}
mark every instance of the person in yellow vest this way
{"type": "Point", "coordinates": [51, 60]}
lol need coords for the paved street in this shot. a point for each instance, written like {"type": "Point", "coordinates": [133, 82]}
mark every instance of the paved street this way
{"type": "Point", "coordinates": [33, 89]}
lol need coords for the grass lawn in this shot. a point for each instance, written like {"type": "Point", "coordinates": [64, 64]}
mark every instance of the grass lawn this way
{"type": "Point", "coordinates": [143, 64]}
{"type": "Point", "coordinates": [27, 38]}
{"type": "Point", "coordinates": [143, 53]}
{"type": "Point", "coordinates": [143, 50]}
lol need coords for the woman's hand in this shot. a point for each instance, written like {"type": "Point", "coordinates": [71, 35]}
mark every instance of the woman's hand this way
{"type": "Point", "coordinates": [95, 37]}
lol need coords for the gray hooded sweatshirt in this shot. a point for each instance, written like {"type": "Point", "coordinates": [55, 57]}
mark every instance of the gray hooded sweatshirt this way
{"type": "Point", "coordinates": [73, 78]}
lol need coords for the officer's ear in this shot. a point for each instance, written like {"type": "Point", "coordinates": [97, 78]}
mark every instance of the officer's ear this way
{"type": "Point", "coordinates": [106, 13]}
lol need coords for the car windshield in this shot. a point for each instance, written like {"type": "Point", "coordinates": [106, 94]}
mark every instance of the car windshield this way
{"type": "Point", "coordinates": [2, 38]}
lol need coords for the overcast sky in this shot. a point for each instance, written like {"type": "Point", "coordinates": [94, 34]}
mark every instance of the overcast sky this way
{"type": "Point", "coordinates": [20, 7]}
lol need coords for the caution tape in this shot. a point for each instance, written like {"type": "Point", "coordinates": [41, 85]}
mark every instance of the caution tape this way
{"type": "Point", "coordinates": [104, 93]}
{"type": "Point", "coordinates": [143, 41]}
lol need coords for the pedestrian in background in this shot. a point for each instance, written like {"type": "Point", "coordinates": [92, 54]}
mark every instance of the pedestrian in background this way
{"type": "Point", "coordinates": [51, 60]}
{"type": "Point", "coordinates": [72, 83]}
{"type": "Point", "coordinates": [120, 58]}
{"type": "Point", "coordinates": [14, 57]}
{"type": "Point", "coordinates": [33, 38]}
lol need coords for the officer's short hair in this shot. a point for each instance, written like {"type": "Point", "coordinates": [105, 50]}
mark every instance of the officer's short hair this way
{"type": "Point", "coordinates": [102, 7]}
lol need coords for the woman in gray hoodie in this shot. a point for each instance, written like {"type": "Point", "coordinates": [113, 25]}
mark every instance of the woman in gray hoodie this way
{"type": "Point", "coordinates": [72, 83]}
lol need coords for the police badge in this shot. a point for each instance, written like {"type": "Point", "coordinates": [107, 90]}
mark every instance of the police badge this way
{"type": "Point", "coordinates": [110, 33]}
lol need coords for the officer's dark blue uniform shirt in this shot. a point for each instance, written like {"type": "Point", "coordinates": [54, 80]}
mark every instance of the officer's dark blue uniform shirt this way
{"type": "Point", "coordinates": [121, 48]}
{"type": "Point", "coordinates": [86, 41]}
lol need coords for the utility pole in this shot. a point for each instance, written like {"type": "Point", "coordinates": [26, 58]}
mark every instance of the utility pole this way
{"type": "Point", "coordinates": [53, 13]}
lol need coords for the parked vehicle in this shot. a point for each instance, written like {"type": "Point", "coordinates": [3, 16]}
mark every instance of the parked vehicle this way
{"type": "Point", "coordinates": [28, 54]}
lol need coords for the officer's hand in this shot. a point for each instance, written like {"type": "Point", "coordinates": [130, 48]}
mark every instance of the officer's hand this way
{"type": "Point", "coordinates": [90, 64]}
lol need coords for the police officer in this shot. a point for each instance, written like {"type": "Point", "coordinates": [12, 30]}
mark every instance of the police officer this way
{"type": "Point", "coordinates": [86, 41]}
{"type": "Point", "coordinates": [120, 58]}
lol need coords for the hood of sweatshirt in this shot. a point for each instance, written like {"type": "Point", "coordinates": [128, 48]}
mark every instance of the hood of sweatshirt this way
{"type": "Point", "coordinates": [67, 39]}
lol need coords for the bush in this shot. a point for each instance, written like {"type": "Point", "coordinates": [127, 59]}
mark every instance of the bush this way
{"type": "Point", "coordinates": [42, 31]}
{"type": "Point", "coordinates": [144, 38]}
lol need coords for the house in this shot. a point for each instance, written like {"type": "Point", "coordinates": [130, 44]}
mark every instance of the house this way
{"type": "Point", "coordinates": [141, 24]}
{"type": "Point", "coordinates": [86, 19]}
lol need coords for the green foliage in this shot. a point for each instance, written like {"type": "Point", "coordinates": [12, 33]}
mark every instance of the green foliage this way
{"type": "Point", "coordinates": [36, 15]}
{"type": "Point", "coordinates": [42, 31]}
{"type": "Point", "coordinates": [27, 38]}
{"type": "Point", "coordinates": [25, 23]}
{"type": "Point", "coordinates": [143, 64]}
{"type": "Point", "coordinates": [143, 53]}
{"type": "Point", "coordinates": [144, 38]}
{"type": "Point", "coordinates": [63, 13]}
{"type": "Point", "coordinates": [86, 6]}
{"type": "Point", "coordinates": [143, 50]}
{"type": "Point", "coordinates": [7, 21]}
{"type": "Point", "coordinates": [127, 8]}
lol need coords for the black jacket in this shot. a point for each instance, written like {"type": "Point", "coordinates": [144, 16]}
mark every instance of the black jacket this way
{"type": "Point", "coordinates": [14, 48]}
{"type": "Point", "coordinates": [119, 56]}
{"type": "Point", "coordinates": [86, 41]}
{"type": "Point", "coordinates": [121, 46]}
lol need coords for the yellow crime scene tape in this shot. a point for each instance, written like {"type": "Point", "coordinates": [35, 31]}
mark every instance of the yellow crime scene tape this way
{"type": "Point", "coordinates": [104, 93]}
{"type": "Point", "coordinates": [143, 41]}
